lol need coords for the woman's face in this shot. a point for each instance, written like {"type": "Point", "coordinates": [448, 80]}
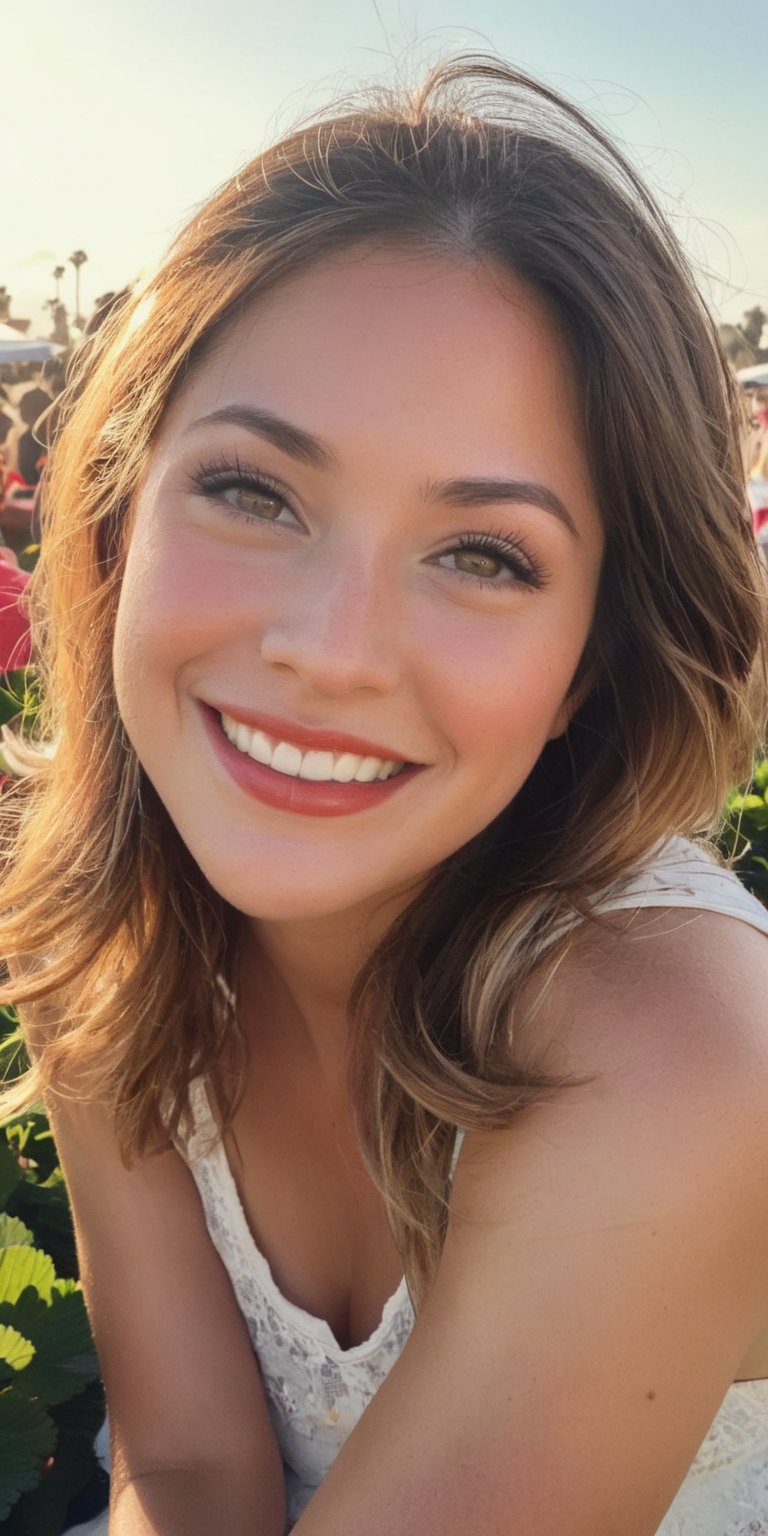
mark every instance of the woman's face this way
{"type": "Point", "coordinates": [362, 570]}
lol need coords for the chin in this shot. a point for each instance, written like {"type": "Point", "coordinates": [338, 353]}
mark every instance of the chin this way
{"type": "Point", "coordinates": [272, 891]}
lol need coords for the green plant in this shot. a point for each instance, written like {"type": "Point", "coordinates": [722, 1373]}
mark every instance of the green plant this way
{"type": "Point", "coordinates": [745, 835]}
{"type": "Point", "coordinates": [19, 702]}
{"type": "Point", "coordinates": [28, 556]}
{"type": "Point", "coordinates": [51, 1399]}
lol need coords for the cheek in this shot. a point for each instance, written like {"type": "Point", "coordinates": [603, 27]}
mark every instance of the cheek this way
{"type": "Point", "coordinates": [176, 600]}
{"type": "Point", "coordinates": [149, 624]}
{"type": "Point", "coordinates": [505, 690]}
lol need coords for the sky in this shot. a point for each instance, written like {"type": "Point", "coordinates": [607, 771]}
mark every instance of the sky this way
{"type": "Point", "coordinates": [118, 119]}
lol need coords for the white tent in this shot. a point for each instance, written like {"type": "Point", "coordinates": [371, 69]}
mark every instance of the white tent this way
{"type": "Point", "coordinates": [15, 348]}
{"type": "Point", "coordinates": [756, 375]}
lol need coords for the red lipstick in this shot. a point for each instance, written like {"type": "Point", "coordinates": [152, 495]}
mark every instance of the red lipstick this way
{"type": "Point", "coordinates": [303, 797]}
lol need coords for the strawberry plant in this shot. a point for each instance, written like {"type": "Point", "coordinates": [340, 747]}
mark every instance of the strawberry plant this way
{"type": "Point", "coordinates": [745, 835]}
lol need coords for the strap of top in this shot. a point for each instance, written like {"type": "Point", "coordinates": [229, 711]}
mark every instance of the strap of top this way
{"type": "Point", "coordinates": [679, 873]}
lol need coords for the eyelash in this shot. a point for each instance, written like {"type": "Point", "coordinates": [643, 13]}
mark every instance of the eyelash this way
{"type": "Point", "coordinates": [508, 551]}
{"type": "Point", "coordinates": [220, 475]}
{"type": "Point", "coordinates": [214, 477]}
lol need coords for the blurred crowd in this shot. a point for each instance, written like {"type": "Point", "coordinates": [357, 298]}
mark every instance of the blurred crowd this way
{"type": "Point", "coordinates": [28, 417]}
{"type": "Point", "coordinates": [24, 407]}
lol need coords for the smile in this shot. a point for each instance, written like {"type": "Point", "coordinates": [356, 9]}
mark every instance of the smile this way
{"type": "Point", "coordinates": [320, 776]}
{"type": "Point", "coordinates": [319, 767]}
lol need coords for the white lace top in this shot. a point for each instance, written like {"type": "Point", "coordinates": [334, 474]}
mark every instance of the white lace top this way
{"type": "Point", "coordinates": [317, 1390]}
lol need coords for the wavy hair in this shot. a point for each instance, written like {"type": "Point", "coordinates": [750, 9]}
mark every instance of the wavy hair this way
{"type": "Point", "coordinates": [117, 945]}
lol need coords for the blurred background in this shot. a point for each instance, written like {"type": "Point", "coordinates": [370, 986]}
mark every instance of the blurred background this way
{"type": "Point", "coordinates": [117, 119]}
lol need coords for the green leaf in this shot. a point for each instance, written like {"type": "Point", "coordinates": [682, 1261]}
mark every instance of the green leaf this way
{"type": "Point", "coordinates": [31, 1137]}
{"type": "Point", "coordinates": [45, 1209]}
{"type": "Point", "coordinates": [28, 557]}
{"type": "Point", "coordinates": [27, 1437]}
{"type": "Point", "coordinates": [65, 1359]}
{"type": "Point", "coordinates": [760, 777]}
{"type": "Point", "coordinates": [15, 1350]}
{"type": "Point", "coordinates": [13, 1056]}
{"type": "Point", "coordinates": [21, 1268]}
{"type": "Point", "coordinates": [9, 1024]}
{"type": "Point", "coordinates": [19, 696]}
{"type": "Point", "coordinates": [751, 802]}
{"type": "Point", "coordinates": [45, 1511]}
{"type": "Point", "coordinates": [10, 1172]}
{"type": "Point", "coordinates": [10, 706]}
{"type": "Point", "coordinates": [13, 1232]}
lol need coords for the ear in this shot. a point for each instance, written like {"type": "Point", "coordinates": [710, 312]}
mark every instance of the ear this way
{"type": "Point", "coordinates": [563, 717]}
{"type": "Point", "coordinates": [579, 691]}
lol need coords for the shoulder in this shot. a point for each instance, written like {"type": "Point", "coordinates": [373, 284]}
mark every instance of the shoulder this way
{"type": "Point", "coordinates": [667, 986]}
{"type": "Point", "coordinates": [659, 1022]}
{"type": "Point", "coordinates": [594, 1242]}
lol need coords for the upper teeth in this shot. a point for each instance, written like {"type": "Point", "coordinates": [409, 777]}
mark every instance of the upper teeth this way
{"type": "Point", "coordinates": [284, 757]}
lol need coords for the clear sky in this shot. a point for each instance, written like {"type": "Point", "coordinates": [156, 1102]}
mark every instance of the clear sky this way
{"type": "Point", "coordinates": [118, 118]}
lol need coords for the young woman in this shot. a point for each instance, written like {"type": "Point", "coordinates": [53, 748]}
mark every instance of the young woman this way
{"type": "Point", "coordinates": [403, 633]}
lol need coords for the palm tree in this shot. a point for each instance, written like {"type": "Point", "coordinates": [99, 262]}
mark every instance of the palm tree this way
{"type": "Point", "coordinates": [77, 258]}
{"type": "Point", "coordinates": [57, 274]}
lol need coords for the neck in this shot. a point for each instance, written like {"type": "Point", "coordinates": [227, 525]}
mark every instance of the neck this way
{"type": "Point", "coordinates": [295, 979]}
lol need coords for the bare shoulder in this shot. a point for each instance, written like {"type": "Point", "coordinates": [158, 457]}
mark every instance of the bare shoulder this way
{"type": "Point", "coordinates": [672, 993]}
{"type": "Point", "coordinates": [660, 1023]}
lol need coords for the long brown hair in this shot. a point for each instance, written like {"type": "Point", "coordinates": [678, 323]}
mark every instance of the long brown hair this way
{"type": "Point", "coordinates": [125, 939]}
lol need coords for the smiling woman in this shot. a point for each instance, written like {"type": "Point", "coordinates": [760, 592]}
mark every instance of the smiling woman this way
{"type": "Point", "coordinates": [403, 634]}
{"type": "Point", "coordinates": [345, 573]}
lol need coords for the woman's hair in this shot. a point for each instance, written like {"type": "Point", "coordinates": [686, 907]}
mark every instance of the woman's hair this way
{"type": "Point", "coordinates": [117, 945]}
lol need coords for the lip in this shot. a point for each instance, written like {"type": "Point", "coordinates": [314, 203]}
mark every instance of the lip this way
{"type": "Point", "coordinates": [306, 736]}
{"type": "Point", "coordinates": [302, 797]}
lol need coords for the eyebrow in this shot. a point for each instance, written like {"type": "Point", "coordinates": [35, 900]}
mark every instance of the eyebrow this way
{"type": "Point", "coordinates": [293, 440]}
{"type": "Point", "coordinates": [476, 493]}
{"type": "Point", "coordinates": [312, 451]}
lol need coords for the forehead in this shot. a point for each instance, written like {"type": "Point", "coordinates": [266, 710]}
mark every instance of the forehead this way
{"type": "Point", "coordinates": [380, 309]}
{"type": "Point", "coordinates": [397, 352]}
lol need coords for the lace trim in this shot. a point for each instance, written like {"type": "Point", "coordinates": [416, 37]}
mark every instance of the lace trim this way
{"type": "Point", "coordinates": [316, 1391]}
{"type": "Point", "coordinates": [205, 1149]}
{"type": "Point", "coordinates": [738, 1433]}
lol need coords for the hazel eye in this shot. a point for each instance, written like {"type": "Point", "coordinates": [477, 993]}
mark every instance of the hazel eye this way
{"type": "Point", "coordinates": [252, 502]}
{"type": "Point", "coordinates": [493, 561]}
{"type": "Point", "coordinates": [475, 562]}
{"type": "Point", "coordinates": [247, 495]}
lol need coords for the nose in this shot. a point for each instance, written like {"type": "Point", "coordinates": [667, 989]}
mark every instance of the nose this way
{"type": "Point", "coordinates": [336, 630]}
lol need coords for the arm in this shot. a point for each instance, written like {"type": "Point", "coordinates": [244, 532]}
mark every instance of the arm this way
{"type": "Point", "coordinates": [195, 1501]}
{"type": "Point", "coordinates": [604, 1269]}
{"type": "Point", "coordinates": [192, 1447]}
